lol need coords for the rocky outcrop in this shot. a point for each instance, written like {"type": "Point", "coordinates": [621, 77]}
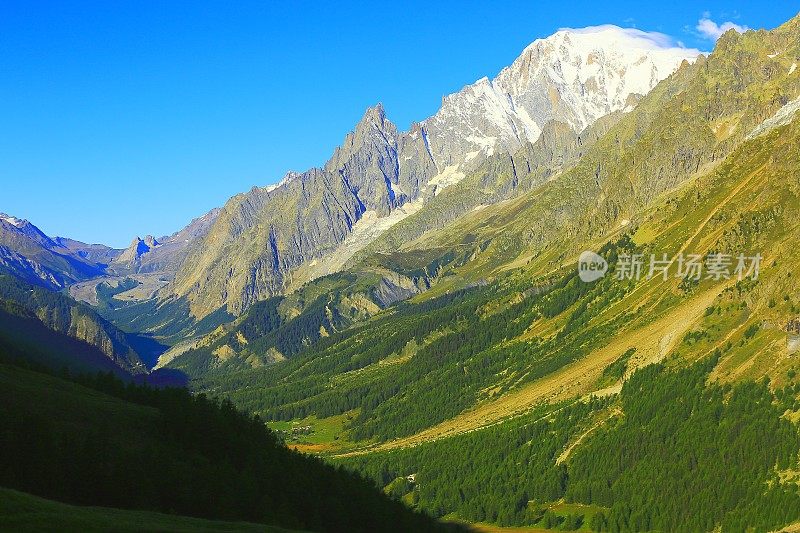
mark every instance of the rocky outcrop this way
{"type": "Point", "coordinates": [137, 249]}
{"type": "Point", "coordinates": [165, 254]}
{"type": "Point", "coordinates": [261, 236]}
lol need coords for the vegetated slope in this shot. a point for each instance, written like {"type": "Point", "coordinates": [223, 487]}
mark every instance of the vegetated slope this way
{"type": "Point", "coordinates": [680, 130]}
{"type": "Point", "coordinates": [672, 453]}
{"type": "Point", "coordinates": [96, 441]}
{"type": "Point", "coordinates": [24, 512]}
{"type": "Point", "coordinates": [688, 451]}
{"type": "Point", "coordinates": [495, 350]}
{"type": "Point", "coordinates": [62, 314]}
{"type": "Point", "coordinates": [95, 274]}
{"type": "Point", "coordinates": [432, 360]}
{"type": "Point", "coordinates": [24, 336]}
{"type": "Point", "coordinates": [283, 326]}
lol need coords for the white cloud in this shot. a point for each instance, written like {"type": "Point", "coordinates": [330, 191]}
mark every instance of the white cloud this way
{"type": "Point", "coordinates": [647, 40]}
{"type": "Point", "coordinates": [711, 30]}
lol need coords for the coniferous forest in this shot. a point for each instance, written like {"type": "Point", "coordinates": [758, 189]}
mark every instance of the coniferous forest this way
{"type": "Point", "coordinates": [94, 440]}
{"type": "Point", "coordinates": [675, 455]}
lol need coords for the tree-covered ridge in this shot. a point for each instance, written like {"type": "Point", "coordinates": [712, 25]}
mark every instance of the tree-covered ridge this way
{"type": "Point", "coordinates": [62, 314]}
{"type": "Point", "coordinates": [96, 441]}
{"type": "Point", "coordinates": [673, 453]}
{"type": "Point", "coordinates": [744, 319]}
{"type": "Point", "coordinates": [690, 456]}
{"type": "Point", "coordinates": [425, 362]}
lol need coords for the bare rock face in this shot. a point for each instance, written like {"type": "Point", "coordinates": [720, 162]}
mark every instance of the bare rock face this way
{"type": "Point", "coordinates": [34, 257]}
{"type": "Point", "coordinates": [137, 249]}
{"type": "Point", "coordinates": [165, 254]}
{"type": "Point", "coordinates": [261, 238]}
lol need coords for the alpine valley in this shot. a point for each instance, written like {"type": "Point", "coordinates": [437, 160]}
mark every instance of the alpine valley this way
{"type": "Point", "coordinates": [401, 339]}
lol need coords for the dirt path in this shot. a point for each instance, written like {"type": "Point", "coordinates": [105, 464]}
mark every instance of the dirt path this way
{"type": "Point", "coordinates": [566, 453]}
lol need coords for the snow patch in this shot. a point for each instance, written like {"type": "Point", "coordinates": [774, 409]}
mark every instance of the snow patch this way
{"type": "Point", "coordinates": [575, 76]}
{"type": "Point", "coordinates": [368, 228]}
{"type": "Point", "coordinates": [783, 116]}
{"type": "Point", "coordinates": [449, 176]}
{"type": "Point", "coordinates": [288, 177]}
{"type": "Point", "coordinates": [14, 221]}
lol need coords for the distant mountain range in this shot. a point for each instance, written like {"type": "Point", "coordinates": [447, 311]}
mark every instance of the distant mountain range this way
{"type": "Point", "coordinates": [60, 261]}
{"type": "Point", "coordinates": [273, 239]}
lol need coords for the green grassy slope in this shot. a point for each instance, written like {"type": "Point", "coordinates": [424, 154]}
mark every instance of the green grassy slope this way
{"type": "Point", "coordinates": [682, 130]}
{"type": "Point", "coordinates": [24, 512]}
{"type": "Point", "coordinates": [24, 336]}
{"type": "Point", "coordinates": [670, 454]}
{"type": "Point", "coordinates": [508, 331]}
{"type": "Point", "coordinates": [423, 363]}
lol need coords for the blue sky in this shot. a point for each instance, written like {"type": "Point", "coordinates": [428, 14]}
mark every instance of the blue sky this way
{"type": "Point", "coordinates": [126, 118]}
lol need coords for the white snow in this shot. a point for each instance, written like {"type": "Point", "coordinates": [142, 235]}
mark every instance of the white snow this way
{"type": "Point", "coordinates": [449, 176]}
{"type": "Point", "coordinates": [289, 176]}
{"type": "Point", "coordinates": [14, 221]}
{"type": "Point", "coordinates": [783, 116]}
{"type": "Point", "coordinates": [575, 76]}
{"type": "Point", "coordinates": [596, 69]}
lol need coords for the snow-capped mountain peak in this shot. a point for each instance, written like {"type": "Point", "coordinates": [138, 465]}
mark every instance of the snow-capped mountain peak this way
{"type": "Point", "coordinates": [574, 76]}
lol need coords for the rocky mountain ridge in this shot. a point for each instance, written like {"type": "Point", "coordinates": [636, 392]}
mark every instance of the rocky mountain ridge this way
{"type": "Point", "coordinates": [272, 239]}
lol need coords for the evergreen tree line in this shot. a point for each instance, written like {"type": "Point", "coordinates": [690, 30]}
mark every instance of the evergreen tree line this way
{"type": "Point", "coordinates": [169, 451]}
{"type": "Point", "coordinates": [685, 455]}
